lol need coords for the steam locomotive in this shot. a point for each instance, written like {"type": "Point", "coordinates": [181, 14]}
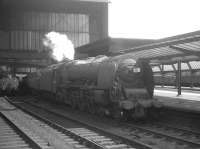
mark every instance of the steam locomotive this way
{"type": "Point", "coordinates": [100, 85]}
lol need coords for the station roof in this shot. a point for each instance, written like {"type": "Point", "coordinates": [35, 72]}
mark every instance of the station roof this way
{"type": "Point", "coordinates": [73, 6]}
{"type": "Point", "coordinates": [99, 1]}
{"type": "Point", "coordinates": [109, 46]}
{"type": "Point", "coordinates": [185, 47]}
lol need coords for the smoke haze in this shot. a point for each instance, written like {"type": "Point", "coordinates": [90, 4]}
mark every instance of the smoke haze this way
{"type": "Point", "coordinates": [60, 44]}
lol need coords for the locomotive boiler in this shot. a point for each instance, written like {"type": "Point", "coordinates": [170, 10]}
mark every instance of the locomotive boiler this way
{"type": "Point", "coordinates": [100, 85]}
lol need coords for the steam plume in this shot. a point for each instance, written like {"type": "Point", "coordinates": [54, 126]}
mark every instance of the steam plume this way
{"type": "Point", "coordinates": [61, 46]}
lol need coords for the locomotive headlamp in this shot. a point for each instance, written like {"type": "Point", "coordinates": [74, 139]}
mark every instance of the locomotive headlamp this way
{"type": "Point", "coordinates": [136, 69]}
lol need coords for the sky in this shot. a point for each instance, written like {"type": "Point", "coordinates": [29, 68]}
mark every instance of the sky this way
{"type": "Point", "coordinates": [153, 19]}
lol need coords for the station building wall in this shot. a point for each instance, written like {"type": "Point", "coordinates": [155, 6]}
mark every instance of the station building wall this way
{"type": "Point", "coordinates": [23, 27]}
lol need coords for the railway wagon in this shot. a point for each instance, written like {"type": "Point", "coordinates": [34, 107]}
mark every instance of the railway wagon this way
{"type": "Point", "coordinates": [169, 79]}
{"type": "Point", "coordinates": [99, 85]}
{"type": "Point", "coordinates": [8, 85]}
{"type": "Point", "coordinates": [188, 79]}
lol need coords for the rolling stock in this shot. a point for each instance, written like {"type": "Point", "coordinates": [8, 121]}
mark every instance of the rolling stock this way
{"type": "Point", "coordinates": [8, 85]}
{"type": "Point", "coordinates": [188, 79]}
{"type": "Point", "coordinates": [101, 85]}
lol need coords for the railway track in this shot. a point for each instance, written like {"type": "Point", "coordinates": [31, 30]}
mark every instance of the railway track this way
{"type": "Point", "coordinates": [164, 133]}
{"type": "Point", "coordinates": [155, 135]}
{"type": "Point", "coordinates": [83, 137]}
{"type": "Point", "coordinates": [176, 128]}
{"type": "Point", "coordinates": [12, 137]}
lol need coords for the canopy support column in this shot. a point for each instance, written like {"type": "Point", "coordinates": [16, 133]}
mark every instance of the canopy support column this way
{"type": "Point", "coordinates": [174, 68]}
{"type": "Point", "coordinates": [191, 74]}
{"type": "Point", "coordinates": [162, 75]}
{"type": "Point", "coordinates": [178, 78]}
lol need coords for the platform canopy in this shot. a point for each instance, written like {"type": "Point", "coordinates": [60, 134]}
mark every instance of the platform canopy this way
{"type": "Point", "coordinates": [184, 47]}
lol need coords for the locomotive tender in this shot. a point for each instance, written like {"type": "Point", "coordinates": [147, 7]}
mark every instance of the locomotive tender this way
{"type": "Point", "coordinates": [101, 85]}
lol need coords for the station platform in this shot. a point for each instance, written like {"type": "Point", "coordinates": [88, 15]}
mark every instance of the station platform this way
{"type": "Point", "coordinates": [187, 101]}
